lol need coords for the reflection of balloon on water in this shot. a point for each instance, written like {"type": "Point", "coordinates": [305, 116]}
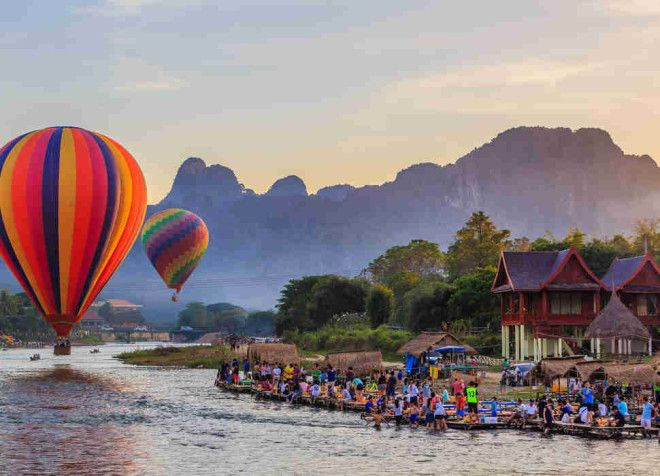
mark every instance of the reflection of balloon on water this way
{"type": "Point", "coordinates": [71, 205]}
{"type": "Point", "coordinates": [175, 240]}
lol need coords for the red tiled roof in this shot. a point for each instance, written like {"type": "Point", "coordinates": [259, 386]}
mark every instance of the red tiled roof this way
{"type": "Point", "coordinates": [92, 316]}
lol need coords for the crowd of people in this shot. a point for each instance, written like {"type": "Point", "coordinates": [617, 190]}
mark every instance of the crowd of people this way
{"type": "Point", "coordinates": [422, 401]}
{"type": "Point", "coordinates": [582, 407]}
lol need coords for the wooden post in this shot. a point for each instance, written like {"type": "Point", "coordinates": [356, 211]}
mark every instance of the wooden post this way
{"type": "Point", "coordinates": [516, 341]}
{"type": "Point", "coordinates": [561, 351]}
{"type": "Point", "coordinates": [650, 346]}
{"type": "Point", "coordinates": [502, 331]}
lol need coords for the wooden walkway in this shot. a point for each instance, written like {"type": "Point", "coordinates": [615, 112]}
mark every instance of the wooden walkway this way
{"type": "Point", "coordinates": [574, 429]}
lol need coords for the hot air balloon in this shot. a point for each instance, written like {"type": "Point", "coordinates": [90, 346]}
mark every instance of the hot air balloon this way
{"type": "Point", "coordinates": [72, 203]}
{"type": "Point", "coordinates": [175, 240]}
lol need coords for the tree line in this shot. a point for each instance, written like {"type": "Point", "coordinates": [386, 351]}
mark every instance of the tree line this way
{"type": "Point", "coordinates": [227, 318]}
{"type": "Point", "coordinates": [419, 286]}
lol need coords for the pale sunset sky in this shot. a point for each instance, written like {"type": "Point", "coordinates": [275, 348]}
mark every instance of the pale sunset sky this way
{"type": "Point", "coordinates": [333, 91]}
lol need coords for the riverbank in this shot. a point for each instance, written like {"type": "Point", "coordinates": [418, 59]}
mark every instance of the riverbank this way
{"type": "Point", "coordinates": [199, 356]}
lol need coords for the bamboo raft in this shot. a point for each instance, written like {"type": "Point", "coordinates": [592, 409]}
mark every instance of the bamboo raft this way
{"type": "Point", "coordinates": [601, 432]}
{"type": "Point", "coordinates": [465, 426]}
{"type": "Point", "coordinates": [573, 429]}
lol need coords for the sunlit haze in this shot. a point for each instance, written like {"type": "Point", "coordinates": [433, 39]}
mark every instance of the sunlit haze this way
{"type": "Point", "coordinates": [335, 92]}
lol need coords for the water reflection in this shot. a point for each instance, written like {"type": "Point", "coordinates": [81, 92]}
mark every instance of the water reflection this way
{"type": "Point", "coordinates": [94, 415]}
{"type": "Point", "coordinates": [63, 420]}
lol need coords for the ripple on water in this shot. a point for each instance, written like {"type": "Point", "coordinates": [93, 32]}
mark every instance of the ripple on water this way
{"type": "Point", "coordinates": [95, 415]}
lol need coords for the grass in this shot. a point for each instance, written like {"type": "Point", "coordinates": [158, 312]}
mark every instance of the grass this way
{"type": "Point", "coordinates": [207, 357]}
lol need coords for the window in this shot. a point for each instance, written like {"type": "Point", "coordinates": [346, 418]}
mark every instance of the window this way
{"type": "Point", "coordinates": [647, 305]}
{"type": "Point", "coordinates": [565, 303]}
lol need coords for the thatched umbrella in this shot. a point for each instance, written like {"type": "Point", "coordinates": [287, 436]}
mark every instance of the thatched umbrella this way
{"type": "Point", "coordinates": [283, 354]}
{"type": "Point", "coordinates": [362, 362]}
{"type": "Point", "coordinates": [423, 341]}
{"type": "Point", "coordinates": [617, 322]}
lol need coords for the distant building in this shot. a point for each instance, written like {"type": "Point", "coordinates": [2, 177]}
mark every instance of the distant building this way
{"type": "Point", "coordinates": [119, 305]}
{"type": "Point", "coordinates": [92, 321]}
{"type": "Point", "coordinates": [549, 298]}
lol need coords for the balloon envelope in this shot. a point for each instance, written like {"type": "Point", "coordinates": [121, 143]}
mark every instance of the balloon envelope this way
{"type": "Point", "coordinates": [72, 203]}
{"type": "Point", "coordinates": [175, 240]}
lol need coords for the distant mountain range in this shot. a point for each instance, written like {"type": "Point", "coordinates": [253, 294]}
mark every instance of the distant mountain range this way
{"type": "Point", "coordinates": [528, 179]}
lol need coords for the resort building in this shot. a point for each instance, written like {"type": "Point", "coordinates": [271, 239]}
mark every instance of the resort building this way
{"type": "Point", "coordinates": [91, 321]}
{"type": "Point", "coordinates": [119, 305]}
{"type": "Point", "coordinates": [637, 282]}
{"type": "Point", "coordinates": [548, 299]}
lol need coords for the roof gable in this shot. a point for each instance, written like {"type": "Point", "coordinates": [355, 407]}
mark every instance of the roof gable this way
{"type": "Point", "coordinates": [570, 269]}
{"type": "Point", "coordinates": [527, 270]}
{"type": "Point", "coordinates": [626, 270]}
{"type": "Point", "coordinates": [534, 270]}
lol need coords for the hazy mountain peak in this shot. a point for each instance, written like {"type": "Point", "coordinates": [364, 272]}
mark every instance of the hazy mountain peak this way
{"type": "Point", "coordinates": [335, 193]}
{"type": "Point", "coordinates": [203, 185]}
{"type": "Point", "coordinates": [290, 186]}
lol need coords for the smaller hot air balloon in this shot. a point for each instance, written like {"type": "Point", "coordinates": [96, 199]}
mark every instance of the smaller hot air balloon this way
{"type": "Point", "coordinates": [175, 240]}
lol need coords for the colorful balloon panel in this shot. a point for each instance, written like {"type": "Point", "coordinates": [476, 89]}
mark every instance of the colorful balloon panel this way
{"type": "Point", "coordinates": [175, 240]}
{"type": "Point", "coordinates": [72, 203]}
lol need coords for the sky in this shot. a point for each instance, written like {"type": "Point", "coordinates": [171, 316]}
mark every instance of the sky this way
{"type": "Point", "coordinates": [332, 91]}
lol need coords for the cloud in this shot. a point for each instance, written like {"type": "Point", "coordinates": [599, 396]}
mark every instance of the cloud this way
{"type": "Point", "coordinates": [142, 86]}
{"type": "Point", "coordinates": [641, 8]}
{"type": "Point", "coordinates": [137, 76]}
{"type": "Point", "coordinates": [487, 87]}
{"type": "Point", "coordinates": [124, 8]}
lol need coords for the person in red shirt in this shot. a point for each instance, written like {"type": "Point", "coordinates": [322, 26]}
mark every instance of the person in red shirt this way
{"type": "Point", "coordinates": [460, 405]}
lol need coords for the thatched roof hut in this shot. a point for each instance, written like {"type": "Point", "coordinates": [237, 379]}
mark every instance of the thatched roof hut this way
{"type": "Point", "coordinates": [274, 352]}
{"type": "Point", "coordinates": [362, 362]}
{"type": "Point", "coordinates": [551, 368]}
{"type": "Point", "coordinates": [634, 374]}
{"type": "Point", "coordinates": [211, 338]}
{"type": "Point", "coordinates": [423, 341]}
{"type": "Point", "coordinates": [587, 370]}
{"type": "Point", "coordinates": [616, 321]}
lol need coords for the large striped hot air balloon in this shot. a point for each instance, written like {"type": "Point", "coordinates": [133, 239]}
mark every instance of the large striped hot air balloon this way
{"type": "Point", "coordinates": [175, 240]}
{"type": "Point", "coordinates": [72, 203]}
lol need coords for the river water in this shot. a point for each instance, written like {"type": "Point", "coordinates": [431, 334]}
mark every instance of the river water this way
{"type": "Point", "coordinates": [91, 414]}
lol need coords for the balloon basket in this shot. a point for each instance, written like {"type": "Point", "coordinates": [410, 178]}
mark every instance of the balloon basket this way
{"type": "Point", "coordinates": [62, 350]}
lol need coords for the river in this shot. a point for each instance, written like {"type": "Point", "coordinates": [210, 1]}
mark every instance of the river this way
{"type": "Point", "coordinates": [91, 414]}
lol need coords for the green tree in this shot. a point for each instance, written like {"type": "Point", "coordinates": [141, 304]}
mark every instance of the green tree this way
{"type": "Point", "coordinates": [380, 304]}
{"type": "Point", "coordinates": [477, 245]}
{"type": "Point", "coordinates": [547, 242]}
{"type": "Point", "coordinates": [260, 324]}
{"type": "Point", "coordinates": [575, 237]}
{"type": "Point", "coordinates": [419, 257]}
{"type": "Point", "coordinates": [472, 299]}
{"type": "Point", "coordinates": [107, 312]}
{"type": "Point", "coordinates": [599, 255]}
{"type": "Point", "coordinates": [194, 315]}
{"type": "Point", "coordinates": [425, 306]}
{"type": "Point", "coordinates": [333, 295]}
{"type": "Point", "coordinates": [647, 237]}
{"type": "Point", "coordinates": [292, 305]}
